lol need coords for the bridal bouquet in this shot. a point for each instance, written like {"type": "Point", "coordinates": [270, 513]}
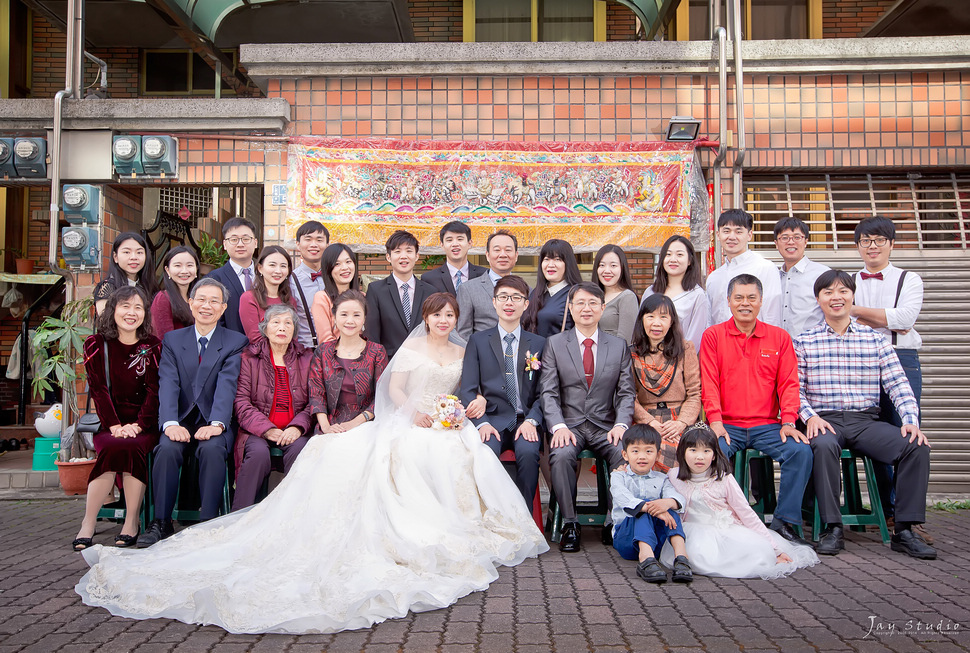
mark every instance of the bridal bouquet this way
{"type": "Point", "coordinates": [448, 413]}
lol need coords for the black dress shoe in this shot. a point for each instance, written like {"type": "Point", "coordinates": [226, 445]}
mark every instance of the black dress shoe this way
{"type": "Point", "coordinates": [651, 571]}
{"type": "Point", "coordinates": [830, 541]}
{"type": "Point", "coordinates": [569, 542]}
{"type": "Point", "coordinates": [682, 573]}
{"type": "Point", "coordinates": [157, 531]}
{"type": "Point", "coordinates": [606, 537]}
{"type": "Point", "coordinates": [912, 544]}
{"type": "Point", "coordinates": [787, 532]}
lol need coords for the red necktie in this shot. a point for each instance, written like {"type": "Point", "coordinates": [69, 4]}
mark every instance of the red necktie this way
{"type": "Point", "coordinates": [316, 275]}
{"type": "Point", "coordinates": [876, 275]}
{"type": "Point", "coordinates": [588, 361]}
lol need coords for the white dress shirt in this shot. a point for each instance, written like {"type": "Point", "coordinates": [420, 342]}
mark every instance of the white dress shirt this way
{"type": "Point", "coordinates": [242, 278]}
{"type": "Point", "coordinates": [453, 271]}
{"type": "Point", "coordinates": [553, 290]}
{"type": "Point", "coordinates": [400, 293]}
{"type": "Point", "coordinates": [747, 263]}
{"type": "Point", "coordinates": [799, 309]}
{"type": "Point", "coordinates": [873, 293]}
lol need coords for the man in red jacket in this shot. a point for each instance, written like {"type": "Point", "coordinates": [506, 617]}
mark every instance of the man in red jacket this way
{"type": "Point", "coordinates": [749, 376]}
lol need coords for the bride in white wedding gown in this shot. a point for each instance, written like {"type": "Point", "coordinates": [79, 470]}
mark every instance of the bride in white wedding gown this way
{"type": "Point", "coordinates": [389, 517]}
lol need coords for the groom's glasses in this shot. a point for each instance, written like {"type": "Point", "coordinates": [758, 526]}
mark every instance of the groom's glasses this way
{"type": "Point", "coordinates": [518, 299]}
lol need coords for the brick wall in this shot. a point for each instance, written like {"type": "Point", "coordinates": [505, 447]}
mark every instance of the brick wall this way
{"type": "Point", "coordinates": [621, 23]}
{"type": "Point", "coordinates": [436, 20]}
{"type": "Point", "coordinates": [849, 18]}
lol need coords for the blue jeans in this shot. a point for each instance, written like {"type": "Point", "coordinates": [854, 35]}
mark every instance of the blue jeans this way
{"type": "Point", "coordinates": [885, 474]}
{"type": "Point", "coordinates": [647, 529]}
{"type": "Point", "coordinates": [794, 457]}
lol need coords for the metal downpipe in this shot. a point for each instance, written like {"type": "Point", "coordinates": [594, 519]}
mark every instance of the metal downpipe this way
{"type": "Point", "coordinates": [738, 105]}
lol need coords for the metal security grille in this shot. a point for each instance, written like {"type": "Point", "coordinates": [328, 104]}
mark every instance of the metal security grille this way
{"type": "Point", "coordinates": [197, 200]}
{"type": "Point", "coordinates": [930, 211]}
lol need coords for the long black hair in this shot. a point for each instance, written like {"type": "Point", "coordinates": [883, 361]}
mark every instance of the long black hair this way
{"type": "Point", "coordinates": [692, 276]}
{"type": "Point", "coordinates": [625, 281]}
{"type": "Point", "coordinates": [673, 343]}
{"type": "Point", "coordinates": [329, 261]}
{"type": "Point", "coordinates": [107, 326]}
{"type": "Point", "coordinates": [116, 277]}
{"type": "Point", "coordinates": [180, 308]}
{"type": "Point", "coordinates": [259, 285]}
{"type": "Point", "coordinates": [563, 251]}
{"type": "Point", "coordinates": [701, 435]}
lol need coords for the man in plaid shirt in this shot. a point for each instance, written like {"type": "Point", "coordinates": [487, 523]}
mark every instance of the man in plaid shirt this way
{"type": "Point", "coordinates": [842, 365]}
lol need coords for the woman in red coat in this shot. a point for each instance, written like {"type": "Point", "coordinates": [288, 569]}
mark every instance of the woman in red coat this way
{"type": "Point", "coordinates": [272, 403]}
{"type": "Point", "coordinates": [128, 408]}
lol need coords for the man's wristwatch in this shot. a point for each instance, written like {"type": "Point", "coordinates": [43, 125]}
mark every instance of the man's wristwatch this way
{"type": "Point", "coordinates": [790, 425]}
{"type": "Point", "coordinates": [534, 423]}
{"type": "Point", "coordinates": [221, 426]}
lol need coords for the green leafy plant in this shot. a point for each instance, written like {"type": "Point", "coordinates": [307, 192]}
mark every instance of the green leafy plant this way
{"type": "Point", "coordinates": [211, 251]}
{"type": "Point", "coordinates": [59, 356]}
{"type": "Point", "coordinates": [432, 261]}
{"type": "Point", "coordinates": [951, 505]}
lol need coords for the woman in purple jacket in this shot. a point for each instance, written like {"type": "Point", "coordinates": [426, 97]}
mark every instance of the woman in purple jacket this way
{"type": "Point", "coordinates": [272, 402]}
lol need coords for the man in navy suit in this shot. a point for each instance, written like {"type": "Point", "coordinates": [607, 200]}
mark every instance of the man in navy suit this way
{"type": "Point", "coordinates": [495, 367]}
{"type": "Point", "coordinates": [197, 377]}
{"type": "Point", "coordinates": [456, 240]}
{"type": "Point", "coordinates": [239, 239]}
{"type": "Point", "coordinates": [394, 302]}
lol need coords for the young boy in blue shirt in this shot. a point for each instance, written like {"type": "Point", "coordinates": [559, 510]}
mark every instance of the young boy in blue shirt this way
{"type": "Point", "coordinates": [645, 507]}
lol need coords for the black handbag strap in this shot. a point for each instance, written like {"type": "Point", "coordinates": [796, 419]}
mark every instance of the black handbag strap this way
{"type": "Point", "coordinates": [306, 309]}
{"type": "Point", "coordinates": [899, 289]}
{"type": "Point", "coordinates": [107, 378]}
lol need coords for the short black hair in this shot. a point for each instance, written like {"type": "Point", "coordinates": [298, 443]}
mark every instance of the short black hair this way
{"type": "Point", "coordinates": [312, 227]}
{"type": "Point", "coordinates": [587, 286]}
{"type": "Point", "coordinates": [234, 223]}
{"type": "Point", "coordinates": [736, 218]}
{"type": "Point", "coordinates": [700, 435]}
{"type": "Point", "coordinates": [455, 227]}
{"type": "Point", "coordinates": [830, 277]}
{"type": "Point", "coordinates": [745, 280]}
{"type": "Point", "coordinates": [793, 224]}
{"type": "Point", "coordinates": [641, 434]}
{"type": "Point", "coordinates": [401, 238]}
{"type": "Point", "coordinates": [502, 232]}
{"type": "Point", "coordinates": [877, 225]}
{"type": "Point", "coordinates": [511, 281]}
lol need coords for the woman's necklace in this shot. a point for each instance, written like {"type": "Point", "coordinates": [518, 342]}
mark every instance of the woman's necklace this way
{"type": "Point", "coordinates": [350, 352]}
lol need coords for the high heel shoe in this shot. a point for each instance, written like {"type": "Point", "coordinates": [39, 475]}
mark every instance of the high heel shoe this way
{"type": "Point", "coordinates": [123, 541]}
{"type": "Point", "coordinates": [82, 543]}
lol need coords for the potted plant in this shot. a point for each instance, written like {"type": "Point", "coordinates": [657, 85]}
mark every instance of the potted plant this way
{"type": "Point", "coordinates": [211, 254]}
{"type": "Point", "coordinates": [24, 264]}
{"type": "Point", "coordinates": [59, 356]}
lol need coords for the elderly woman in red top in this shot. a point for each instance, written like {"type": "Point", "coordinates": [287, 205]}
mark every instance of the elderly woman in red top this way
{"type": "Point", "coordinates": [271, 404]}
{"type": "Point", "coordinates": [344, 372]}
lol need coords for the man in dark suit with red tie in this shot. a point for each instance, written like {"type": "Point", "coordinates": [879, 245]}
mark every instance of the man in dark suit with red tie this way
{"type": "Point", "coordinates": [499, 366]}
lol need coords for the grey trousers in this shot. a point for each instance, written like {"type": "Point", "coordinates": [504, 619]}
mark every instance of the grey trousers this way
{"type": "Point", "coordinates": [562, 461]}
{"type": "Point", "coordinates": [862, 432]}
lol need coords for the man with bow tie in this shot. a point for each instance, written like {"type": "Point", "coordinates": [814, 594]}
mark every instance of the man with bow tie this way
{"type": "Point", "coordinates": [307, 278]}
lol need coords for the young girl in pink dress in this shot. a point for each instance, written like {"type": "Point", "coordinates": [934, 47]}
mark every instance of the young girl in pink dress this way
{"type": "Point", "coordinates": [724, 535]}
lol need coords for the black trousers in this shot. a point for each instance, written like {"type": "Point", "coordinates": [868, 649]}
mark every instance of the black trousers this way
{"type": "Point", "coordinates": [526, 459]}
{"type": "Point", "coordinates": [863, 433]}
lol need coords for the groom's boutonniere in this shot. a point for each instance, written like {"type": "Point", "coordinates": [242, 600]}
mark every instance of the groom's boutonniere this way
{"type": "Point", "coordinates": [531, 363]}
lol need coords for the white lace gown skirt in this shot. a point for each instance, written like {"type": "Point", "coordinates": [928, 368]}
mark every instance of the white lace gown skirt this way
{"type": "Point", "coordinates": [366, 526]}
{"type": "Point", "coordinates": [719, 546]}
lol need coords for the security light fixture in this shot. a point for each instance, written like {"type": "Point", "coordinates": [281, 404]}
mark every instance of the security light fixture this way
{"type": "Point", "coordinates": [683, 129]}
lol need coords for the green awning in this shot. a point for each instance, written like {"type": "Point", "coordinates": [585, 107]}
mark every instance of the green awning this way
{"type": "Point", "coordinates": [654, 14]}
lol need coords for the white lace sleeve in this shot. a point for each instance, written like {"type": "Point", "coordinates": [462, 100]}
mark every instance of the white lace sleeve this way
{"type": "Point", "coordinates": [408, 360]}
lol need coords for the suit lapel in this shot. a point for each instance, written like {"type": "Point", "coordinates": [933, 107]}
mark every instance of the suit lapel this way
{"type": "Point", "coordinates": [525, 347]}
{"type": "Point", "coordinates": [234, 283]}
{"type": "Point", "coordinates": [572, 348]}
{"type": "Point", "coordinates": [395, 298]}
{"type": "Point", "coordinates": [448, 281]}
{"type": "Point", "coordinates": [209, 358]}
{"type": "Point", "coordinates": [599, 364]}
{"type": "Point", "coordinates": [495, 340]}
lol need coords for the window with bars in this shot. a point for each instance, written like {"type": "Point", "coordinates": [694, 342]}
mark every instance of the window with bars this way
{"type": "Point", "coordinates": [930, 211]}
{"type": "Point", "coordinates": [198, 201]}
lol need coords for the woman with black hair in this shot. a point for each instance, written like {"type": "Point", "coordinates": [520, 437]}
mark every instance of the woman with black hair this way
{"type": "Point", "coordinates": [667, 375]}
{"type": "Point", "coordinates": [124, 388]}
{"type": "Point", "coordinates": [271, 286]}
{"type": "Point", "coordinates": [339, 268]}
{"type": "Point", "coordinates": [611, 272]}
{"type": "Point", "coordinates": [558, 272]}
{"type": "Point", "coordinates": [678, 277]}
{"type": "Point", "coordinates": [170, 308]}
{"type": "Point", "coordinates": [131, 264]}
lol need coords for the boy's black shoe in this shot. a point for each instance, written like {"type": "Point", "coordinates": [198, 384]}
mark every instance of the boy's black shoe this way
{"type": "Point", "coordinates": [682, 573]}
{"type": "Point", "coordinates": [651, 571]}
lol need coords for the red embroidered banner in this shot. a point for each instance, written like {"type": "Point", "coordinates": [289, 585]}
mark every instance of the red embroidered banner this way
{"type": "Point", "coordinates": [635, 195]}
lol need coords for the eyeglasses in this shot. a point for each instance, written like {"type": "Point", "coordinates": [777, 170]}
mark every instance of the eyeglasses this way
{"type": "Point", "coordinates": [207, 302]}
{"type": "Point", "coordinates": [878, 241]}
{"type": "Point", "coordinates": [593, 303]}
{"type": "Point", "coordinates": [235, 240]}
{"type": "Point", "coordinates": [784, 240]}
{"type": "Point", "coordinates": [517, 299]}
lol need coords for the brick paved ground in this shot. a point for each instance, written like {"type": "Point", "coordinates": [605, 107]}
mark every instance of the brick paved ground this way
{"type": "Point", "coordinates": [583, 602]}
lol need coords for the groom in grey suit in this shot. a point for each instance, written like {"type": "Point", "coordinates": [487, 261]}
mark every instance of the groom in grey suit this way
{"type": "Point", "coordinates": [587, 393]}
{"type": "Point", "coordinates": [475, 308]}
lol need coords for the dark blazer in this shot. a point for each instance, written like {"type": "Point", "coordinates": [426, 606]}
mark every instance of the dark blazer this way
{"type": "Point", "coordinates": [385, 315]}
{"type": "Point", "coordinates": [565, 396]}
{"type": "Point", "coordinates": [483, 372]}
{"type": "Point", "coordinates": [185, 383]}
{"type": "Point", "coordinates": [227, 277]}
{"type": "Point", "coordinates": [440, 277]}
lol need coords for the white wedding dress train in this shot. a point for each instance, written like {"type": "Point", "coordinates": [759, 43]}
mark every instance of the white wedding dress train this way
{"type": "Point", "coordinates": [368, 525]}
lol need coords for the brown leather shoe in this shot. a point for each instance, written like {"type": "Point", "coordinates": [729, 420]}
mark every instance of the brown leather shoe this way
{"type": "Point", "coordinates": [921, 529]}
